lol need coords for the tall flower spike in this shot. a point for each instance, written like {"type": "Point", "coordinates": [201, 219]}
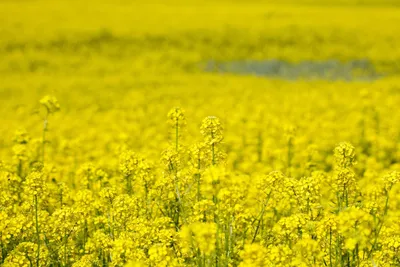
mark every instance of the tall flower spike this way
{"type": "Point", "coordinates": [177, 120]}
{"type": "Point", "coordinates": [35, 184]}
{"type": "Point", "coordinates": [128, 165]}
{"type": "Point", "coordinates": [50, 103]}
{"type": "Point", "coordinates": [128, 162]}
{"type": "Point", "coordinates": [344, 155]}
{"type": "Point", "coordinates": [211, 129]}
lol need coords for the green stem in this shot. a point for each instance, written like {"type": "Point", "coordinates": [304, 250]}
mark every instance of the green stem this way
{"type": "Point", "coordinates": [178, 195]}
{"type": "Point", "coordinates": [260, 146]}
{"type": "Point", "coordinates": [289, 156]}
{"type": "Point", "coordinates": [213, 148]}
{"type": "Point", "coordinates": [330, 247]}
{"type": "Point", "coordinates": [177, 134]}
{"type": "Point", "coordinates": [179, 204]}
{"type": "Point", "coordinates": [37, 231]}
{"type": "Point", "coordinates": [65, 249]}
{"type": "Point", "coordinates": [338, 251]}
{"type": "Point", "coordinates": [228, 241]}
{"type": "Point", "coordinates": [213, 153]}
{"type": "Point", "coordinates": [380, 225]}
{"type": "Point", "coordinates": [128, 184]}
{"type": "Point", "coordinates": [19, 168]}
{"type": "Point", "coordinates": [45, 122]}
{"type": "Point", "coordinates": [339, 203]}
{"type": "Point", "coordinates": [3, 251]}
{"type": "Point", "coordinates": [85, 234]}
{"type": "Point", "coordinates": [198, 179]}
{"type": "Point", "coordinates": [110, 222]}
{"type": "Point", "coordinates": [146, 191]}
{"type": "Point", "coordinates": [261, 217]}
{"type": "Point", "coordinates": [217, 246]}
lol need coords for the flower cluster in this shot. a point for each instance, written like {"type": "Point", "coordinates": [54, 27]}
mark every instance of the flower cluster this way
{"type": "Point", "coordinates": [261, 186]}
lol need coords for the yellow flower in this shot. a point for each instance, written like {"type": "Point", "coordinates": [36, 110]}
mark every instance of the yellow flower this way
{"type": "Point", "coordinates": [211, 129]}
{"type": "Point", "coordinates": [344, 155]}
{"type": "Point", "coordinates": [200, 236]}
{"type": "Point", "coordinates": [254, 255]}
{"type": "Point", "coordinates": [50, 103]}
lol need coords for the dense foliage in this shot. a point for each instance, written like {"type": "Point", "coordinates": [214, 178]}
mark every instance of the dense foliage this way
{"type": "Point", "coordinates": [117, 150]}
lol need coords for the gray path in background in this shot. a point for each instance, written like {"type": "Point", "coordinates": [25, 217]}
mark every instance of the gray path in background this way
{"type": "Point", "coordinates": [330, 70]}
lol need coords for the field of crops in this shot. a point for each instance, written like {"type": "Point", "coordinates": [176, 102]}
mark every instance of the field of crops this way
{"type": "Point", "coordinates": [200, 133]}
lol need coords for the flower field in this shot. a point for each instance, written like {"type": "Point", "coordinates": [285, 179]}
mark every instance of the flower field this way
{"type": "Point", "coordinates": [120, 148]}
